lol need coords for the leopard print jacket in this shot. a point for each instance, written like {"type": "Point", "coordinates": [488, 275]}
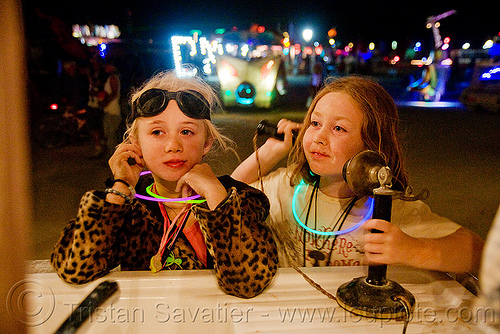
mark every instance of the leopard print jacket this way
{"type": "Point", "coordinates": [104, 235]}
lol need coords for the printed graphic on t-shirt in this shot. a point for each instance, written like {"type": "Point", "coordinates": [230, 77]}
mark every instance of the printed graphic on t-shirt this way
{"type": "Point", "coordinates": [340, 250]}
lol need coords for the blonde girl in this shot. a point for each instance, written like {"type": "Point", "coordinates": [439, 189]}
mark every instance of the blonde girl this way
{"type": "Point", "coordinates": [164, 208]}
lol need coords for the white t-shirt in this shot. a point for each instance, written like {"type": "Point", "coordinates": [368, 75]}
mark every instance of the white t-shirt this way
{"type": "Point", "coordinates": [412, 217]}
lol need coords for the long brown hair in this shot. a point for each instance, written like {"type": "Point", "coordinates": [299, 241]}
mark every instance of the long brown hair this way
{"type": "Point", "coordinates": [379, 130]}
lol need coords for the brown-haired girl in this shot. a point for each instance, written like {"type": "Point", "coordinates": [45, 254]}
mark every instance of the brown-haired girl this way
{"type": "Point", "coordinates": [318, 220]}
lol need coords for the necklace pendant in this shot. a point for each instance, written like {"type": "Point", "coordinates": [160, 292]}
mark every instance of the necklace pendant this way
{"type": "Point", "coordinates": [155, 264]}
{"type": "Point", "coordinates": [317, 256]}
{"type": "Point", "coordinates": [172, 260]}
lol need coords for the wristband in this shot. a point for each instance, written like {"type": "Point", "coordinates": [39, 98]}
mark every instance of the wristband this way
{"type": "Point", "coordinates": [121, 181]}
{"type": "Point", "coordinates": [119, 193]}
{"type": "Point", "coordinates": [110, 181]}
{"type": "Point", "coordinates": [130, 188]}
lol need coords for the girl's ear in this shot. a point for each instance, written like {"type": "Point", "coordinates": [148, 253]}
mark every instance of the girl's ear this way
{"type": "Point", "coordinates": [133, 140]}
{"type": "Point", "coordinates": [208, 145]}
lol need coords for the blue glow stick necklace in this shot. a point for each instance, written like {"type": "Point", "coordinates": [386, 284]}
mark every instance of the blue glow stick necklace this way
{"type": "Point", "coordinates": [327, 233]}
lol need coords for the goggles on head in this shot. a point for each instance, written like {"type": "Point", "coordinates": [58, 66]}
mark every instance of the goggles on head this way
{"type": "Point", "coordinates": [154, 101]}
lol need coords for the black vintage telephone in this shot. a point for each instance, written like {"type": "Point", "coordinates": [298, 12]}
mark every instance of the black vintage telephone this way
{"type": "Point", "coordinates": [374, 296]}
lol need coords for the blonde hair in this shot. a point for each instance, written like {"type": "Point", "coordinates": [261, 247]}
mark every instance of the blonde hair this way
{"type": "Point", "coordinates": [379, 131]}
{"type": "Point", "coordinates": [169, 81]}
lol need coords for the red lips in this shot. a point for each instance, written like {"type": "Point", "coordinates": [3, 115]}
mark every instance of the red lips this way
{"type": "Point", "coordinates": [319, 155]}
{"type": "Point", "coordinates": [175, 163]}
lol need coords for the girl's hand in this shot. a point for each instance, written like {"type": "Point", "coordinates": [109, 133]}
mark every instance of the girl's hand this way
{"type": "Point", "coordinates": [120, 166]}
{"type": "Point", "coordinates": [280, 148]}
{"type": "Point", "coordinates": [392, 246]}
{"type": "Point", "coordinates": [269, 154]}
{"type": "Point", "coordinates": [202, 180]}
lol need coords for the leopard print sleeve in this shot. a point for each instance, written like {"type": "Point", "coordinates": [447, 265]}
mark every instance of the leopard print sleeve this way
{"type": "Point", "coordinates": [90, 245]}
{"type": "Point", "coordinates": [244, 252]}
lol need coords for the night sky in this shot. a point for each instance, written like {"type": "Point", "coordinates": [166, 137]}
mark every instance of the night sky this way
{"type": "Point", "coordinates": [355, 21]}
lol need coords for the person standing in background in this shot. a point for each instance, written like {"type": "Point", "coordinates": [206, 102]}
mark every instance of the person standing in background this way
{"type": "Point", "coordinates": [95, 112]}
{"type": "Point", "coordinates": [316, 82]}
{"type": "Point", "coordinates": [111, 106]}
{"type": "Point", "coordinates": [73, 87]}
